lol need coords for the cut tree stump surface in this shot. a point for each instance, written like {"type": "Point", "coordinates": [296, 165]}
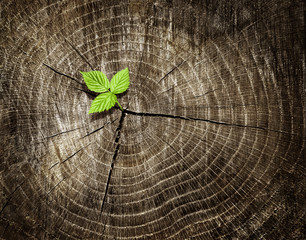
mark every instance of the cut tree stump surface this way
{"type": "Point", "coordinates": [211, 144]}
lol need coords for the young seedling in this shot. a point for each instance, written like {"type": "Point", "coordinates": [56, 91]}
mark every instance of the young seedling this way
{"type": "Point", "coordinates": [97, 81]}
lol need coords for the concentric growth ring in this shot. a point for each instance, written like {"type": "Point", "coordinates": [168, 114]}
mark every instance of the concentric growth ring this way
{"type": "Point", "coordinates": [210, 142]}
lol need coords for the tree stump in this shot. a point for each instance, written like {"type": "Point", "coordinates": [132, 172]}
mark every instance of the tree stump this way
{"type": "Point", "coordinates": [211, 141]}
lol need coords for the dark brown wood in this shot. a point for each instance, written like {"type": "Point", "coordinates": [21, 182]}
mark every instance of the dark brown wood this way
{"type": "Point", "coordinates": [211, 144]}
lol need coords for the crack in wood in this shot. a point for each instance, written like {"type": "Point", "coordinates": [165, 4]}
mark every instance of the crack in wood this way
{"type": "Point", "coordinates": [175, 116]}
{"type": "Point", "coordinates": [6, 227]}
{"type": "Point", "coordinates": [64, 178]}
{"type": "Point", "coordinates": [63, 74]}
{"type": "Point", "coordinates": [118, 134]}
{"type": "Point", "coordinates": [68, 157]}
{"type": "Point", "coordinates": [147, 114]}
{"type": "Point", "coordinates": [80, 54]}
{"type": "Point", "coordinates": [58, 111]}
{"type": "Point", "coordinates": [100, 128]}
{"type": "Point", "coordinates": [57, 185]}
{"type": "Point", "coordinates": [167, 90]}
{"type": "Point", "coordinates": [10, 196]}
{"type": "Point", "coordinates": [88, 92]}
{"type": "Point", "coordinates": [57, 134]}
{"type": "Point", "coordinates": [177, 66]}
{"type": "Point", "coordinates": [201, 95]}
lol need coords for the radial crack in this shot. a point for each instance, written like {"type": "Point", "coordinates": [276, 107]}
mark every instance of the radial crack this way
{"type": "Point", "coordinates": [200, 119]}
{"type": "Point", "coordinates": [167, 90]}
{"type": "Point", "coordinates": [54, 135]}
{"type": "Point", "coordinates": [80, 54]}
{"type": "Point", "coordinates": [118, 133]}
{"type": "Point", "coordinates": [88, 92]}
{"type": "Point", "coordinates": [201, 95]}
{"type": "Point", "coordinates": [171, 71]}
{"type": "Point", "coordinates": [67, 177]}
{"type": "Point", "coordinates": [63, 74]}
{"type": "Point", "coordinates": [72, 155]}
{"type": "Point", "coordinates": [100, 128]}
{"type": "Point", "coordinates": [6, 227]}
{"type": "Point", "coordinates": [68, 157]}
{"type": "Point", "coordinates": [57, 185]}
{"type": "Point", "coordinates": [10, 197]}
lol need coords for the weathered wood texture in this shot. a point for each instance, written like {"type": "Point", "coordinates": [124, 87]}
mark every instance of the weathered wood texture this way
{"type": "Point", "coordinates": [211, 145]}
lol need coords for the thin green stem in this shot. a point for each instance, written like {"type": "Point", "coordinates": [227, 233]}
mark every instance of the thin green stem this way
{"type": "Point", "coordinates": [119, 105]}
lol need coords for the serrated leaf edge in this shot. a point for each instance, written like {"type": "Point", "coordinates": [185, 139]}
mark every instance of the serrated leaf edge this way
{"type": "Point", "coordinates": [107, 108]}
{"type": "Point", "coordinates": [128, 81]}
{"type": "Point", "coordinates": [98, 83]}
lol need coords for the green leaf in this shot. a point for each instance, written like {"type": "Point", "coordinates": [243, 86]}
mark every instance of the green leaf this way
{"type": "Point", "coordinates": [102, 102]}
{"type": "Point", "coordinates": [120, 81]}
{"type": "Point", "coordinates": [96, 81]}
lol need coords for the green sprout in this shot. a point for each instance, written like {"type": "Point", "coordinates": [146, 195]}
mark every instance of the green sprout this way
{"type": "Point", "coordinates": [97, 81]}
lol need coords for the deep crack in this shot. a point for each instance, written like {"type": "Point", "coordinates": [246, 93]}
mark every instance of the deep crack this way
{"type": "Point", "coordinates": [63, 74]}
{"type": "Point", "coordinates": [88, 92]}
{"type": "Point", "coordinates": [118, 134]}
{"type": "Point", "coordinates": [174, 116]}
{"type": "Point", "coordinates": [200, 119]}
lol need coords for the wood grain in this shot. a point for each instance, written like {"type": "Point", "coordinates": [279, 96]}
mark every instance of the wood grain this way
{"type": "Point", "coordinates": [211, 144]}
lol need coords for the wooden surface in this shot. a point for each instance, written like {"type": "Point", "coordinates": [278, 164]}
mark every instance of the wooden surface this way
{"type": "Point", "coordinates": [211, 144]}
